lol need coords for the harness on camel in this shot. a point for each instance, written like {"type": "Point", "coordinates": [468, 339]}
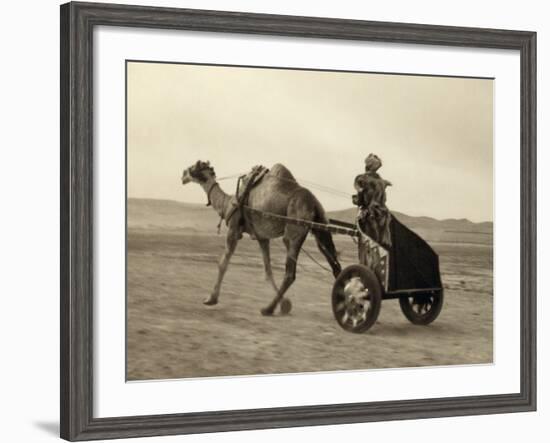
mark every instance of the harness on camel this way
{"type": "Point", "coordinates": [245, 184]}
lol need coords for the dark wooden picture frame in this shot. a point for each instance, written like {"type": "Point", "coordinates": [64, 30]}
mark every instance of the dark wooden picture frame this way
{"type": "Point", "coordinates": [77, 23]}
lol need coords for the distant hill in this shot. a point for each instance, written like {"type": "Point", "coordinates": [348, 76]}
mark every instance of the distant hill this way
{"type": "Point", "coordinates": [197, 218]}
{"type": "Point", "coordinates": [448, 230]}
{"type": "Point", "coordinates": [168, 214]}
{"type": "Point", "coordinates": [423, 222]}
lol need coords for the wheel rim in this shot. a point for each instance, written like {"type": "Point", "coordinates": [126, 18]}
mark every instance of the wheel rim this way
{"type": "Point", "coordinates": [353, 302]}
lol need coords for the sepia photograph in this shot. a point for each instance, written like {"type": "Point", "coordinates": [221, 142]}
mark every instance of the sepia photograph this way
{"type": "Point", "coordinates": [287, 220]}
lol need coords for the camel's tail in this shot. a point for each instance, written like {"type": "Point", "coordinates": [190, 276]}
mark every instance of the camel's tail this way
{"type": "Point", "coordinates": [325, 243]}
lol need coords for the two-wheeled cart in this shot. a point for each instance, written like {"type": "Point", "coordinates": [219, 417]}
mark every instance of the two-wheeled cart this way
{"type": "Point", "coordinates": [407, 271]}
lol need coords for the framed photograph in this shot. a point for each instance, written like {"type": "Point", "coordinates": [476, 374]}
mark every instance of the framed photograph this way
{"type": "Point", "coordinates": [272, 221]}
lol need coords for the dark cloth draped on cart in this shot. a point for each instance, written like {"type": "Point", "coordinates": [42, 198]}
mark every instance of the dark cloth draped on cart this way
{"type": "Point", "coordinates": [413, 263]}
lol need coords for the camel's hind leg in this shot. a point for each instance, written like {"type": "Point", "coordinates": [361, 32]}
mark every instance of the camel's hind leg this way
{"type": "Point", "coordinates": [233, 236]}
{"type": "Point", "coordinates": [327, 248]}
{"type": "Point", "coordinates": [264, 246]}
{"type": "Point", "coordinates": [294, 239]}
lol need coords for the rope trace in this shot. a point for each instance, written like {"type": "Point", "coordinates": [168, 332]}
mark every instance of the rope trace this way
{"type": "Point", "coordinates": [317, 186]}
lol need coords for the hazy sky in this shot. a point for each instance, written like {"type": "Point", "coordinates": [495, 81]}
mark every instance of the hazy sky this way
{"type": "Point", "coordinates": [433, 134]}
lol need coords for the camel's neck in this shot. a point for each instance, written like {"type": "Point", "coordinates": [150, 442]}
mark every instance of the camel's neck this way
{"type": "Point", "coordinates": [218, 198]}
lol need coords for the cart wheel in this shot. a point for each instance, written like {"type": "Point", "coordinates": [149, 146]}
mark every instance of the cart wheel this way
{"type": "Point", "coordinates": [356, 298]}
{"type": "Point", "coordinates": [286, 306]}
{"type": "Point", "coordinates": [422, 309]}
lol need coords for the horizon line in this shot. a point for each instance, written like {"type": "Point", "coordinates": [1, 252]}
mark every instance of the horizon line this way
{"type": "Point", "coordinates": [326, 210]}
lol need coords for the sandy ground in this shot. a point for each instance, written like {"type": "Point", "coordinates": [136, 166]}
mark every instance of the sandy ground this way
{"type": "Point", "coordinates": [170, 334]}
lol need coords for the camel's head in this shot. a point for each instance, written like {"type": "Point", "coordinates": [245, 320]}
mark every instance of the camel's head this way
{"type": "Point", "coordinates": [200, 172]}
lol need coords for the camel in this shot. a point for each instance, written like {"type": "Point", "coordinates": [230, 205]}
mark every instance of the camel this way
{"type": "Point", "coordinates": [277, 193]}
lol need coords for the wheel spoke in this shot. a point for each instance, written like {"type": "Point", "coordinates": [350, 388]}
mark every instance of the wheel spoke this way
{"type": "Point", "coordinates": [360, 317]}
{"type": "Point", "coordinates": [363, 298]}
{"type": "Point", "coordinates": [340, 306]}
{"type": "Point", "coordinates": [345, 317]}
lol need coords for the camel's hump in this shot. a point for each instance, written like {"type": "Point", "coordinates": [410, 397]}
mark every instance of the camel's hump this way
{"type": "Point", "coordinates": [282, 171]}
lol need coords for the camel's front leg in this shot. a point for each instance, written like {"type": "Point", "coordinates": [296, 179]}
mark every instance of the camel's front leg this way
{"type": "Point", "coordinates": [264, 246]}
{"type": "Point", "coordinates": [231, 240]}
